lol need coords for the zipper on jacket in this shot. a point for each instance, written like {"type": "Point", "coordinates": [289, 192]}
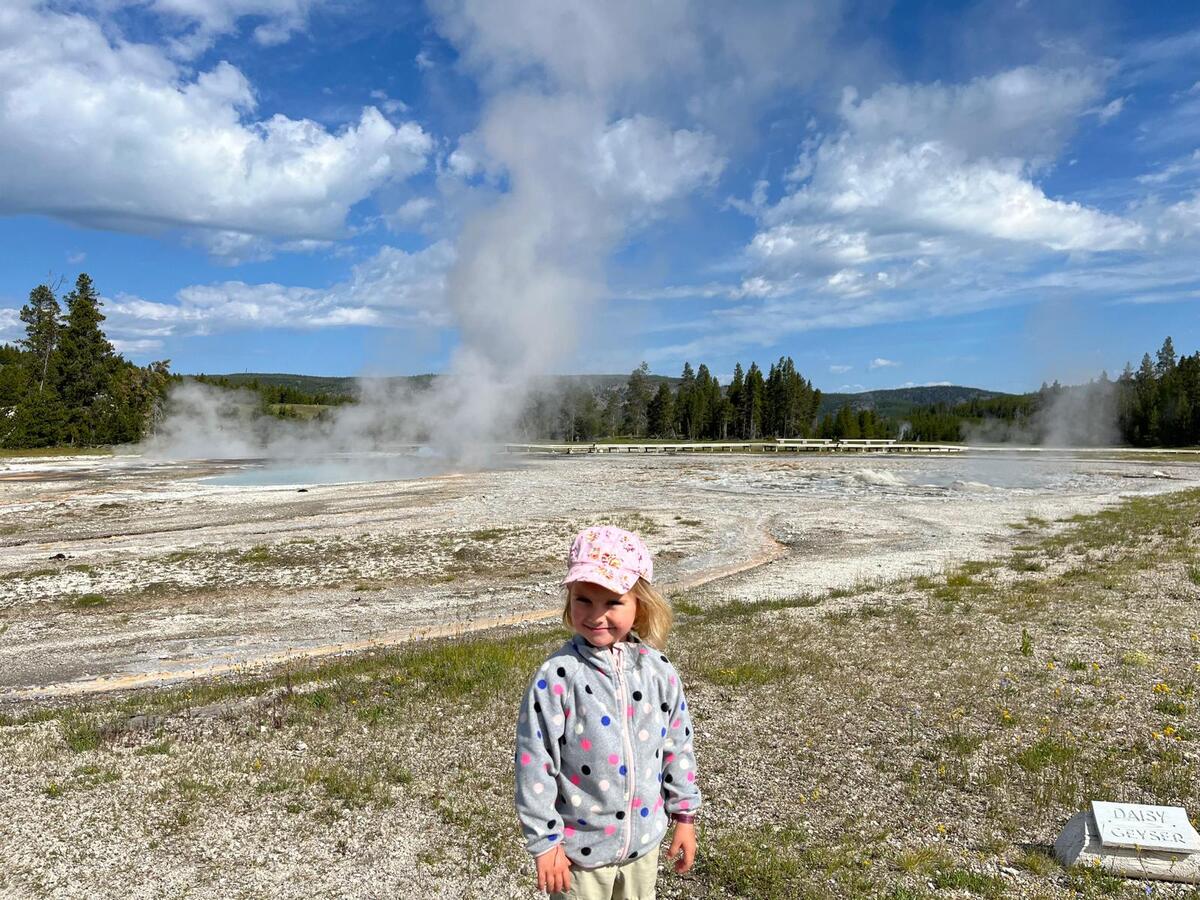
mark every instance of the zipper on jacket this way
{"type": "Point", "coordinates": [631, 780]}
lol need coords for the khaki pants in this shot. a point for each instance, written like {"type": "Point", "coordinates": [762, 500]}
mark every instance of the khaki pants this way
{"type": "Point", "coordinates": [633, 880]}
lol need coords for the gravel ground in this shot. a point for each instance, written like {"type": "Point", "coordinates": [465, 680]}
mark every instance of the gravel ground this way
{"type": "Point", "coordinates": [879, 732]}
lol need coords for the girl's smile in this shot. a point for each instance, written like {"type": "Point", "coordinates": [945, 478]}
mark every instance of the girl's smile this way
{"type": "Point", "coordinates": [602, 617]}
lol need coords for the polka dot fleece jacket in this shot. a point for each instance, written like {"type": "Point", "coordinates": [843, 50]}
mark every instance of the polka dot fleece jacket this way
{"type": "Point", "coordinates": [604, 753]}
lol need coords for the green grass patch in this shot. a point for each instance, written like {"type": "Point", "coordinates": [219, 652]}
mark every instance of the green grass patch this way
{"type": "Point", "coordinates": [1046, 753]}
{"type": "Point", "coordinates": [488, 534]}
{"type": "Point", "coordinates": [87, 601]}
{"type": "Point", "coordinates": [79, 734]}
{"type": "Point", "coordinates": [977, 883]}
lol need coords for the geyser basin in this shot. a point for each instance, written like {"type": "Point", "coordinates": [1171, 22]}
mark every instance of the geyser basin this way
{"type": "Point", "coordinates": [340, 469]}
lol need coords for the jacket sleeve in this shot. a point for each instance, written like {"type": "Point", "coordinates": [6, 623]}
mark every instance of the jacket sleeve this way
{"type": "Point", "coordinates": [539, 726]}
{"type": "Point", "coordinates": [680, 792]}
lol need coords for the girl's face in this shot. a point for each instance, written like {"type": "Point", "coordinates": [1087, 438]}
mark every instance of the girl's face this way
{"type": "Point", "coordinates": [601, 616]}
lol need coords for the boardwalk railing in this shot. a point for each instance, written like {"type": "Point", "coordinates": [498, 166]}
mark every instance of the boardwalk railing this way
{"type": "Point", "coordinates": [780, 445]}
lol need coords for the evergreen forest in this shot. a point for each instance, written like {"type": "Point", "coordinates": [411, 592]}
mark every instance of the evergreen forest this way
{"type": "Point", "coordinates": [63, 384]}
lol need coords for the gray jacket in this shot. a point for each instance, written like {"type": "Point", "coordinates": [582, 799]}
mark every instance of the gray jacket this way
{"type": "Point", "coordinates": [604, 753]}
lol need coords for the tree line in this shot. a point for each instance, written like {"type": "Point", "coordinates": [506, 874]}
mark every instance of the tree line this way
{"type": "Point", "coordinates": [1155, 405]}
{"type": "Point", "coordinates": [272, 396]}
{"type": "Point", "coordinates": [779, 403]}
{"type": "Point", "coordinates": [64, 384]}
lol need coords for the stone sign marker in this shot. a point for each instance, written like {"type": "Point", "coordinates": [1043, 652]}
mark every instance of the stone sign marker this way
{"type": "Point", "coordinates": [1134, 840]}
{"type": "Point", "coordinates": [1149, 827]}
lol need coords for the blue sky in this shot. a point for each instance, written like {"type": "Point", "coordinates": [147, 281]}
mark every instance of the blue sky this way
{"type": "Point", "coordinates": [992, 194]}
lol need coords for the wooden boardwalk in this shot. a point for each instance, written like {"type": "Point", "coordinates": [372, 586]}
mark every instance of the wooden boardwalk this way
{"type": "Point", "coordinates": [781, 445]}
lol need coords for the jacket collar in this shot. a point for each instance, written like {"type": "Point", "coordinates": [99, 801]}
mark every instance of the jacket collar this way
{"type": "Point", "coordinates": [603, 658]}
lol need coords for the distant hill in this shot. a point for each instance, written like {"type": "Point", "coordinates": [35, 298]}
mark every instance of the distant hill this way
{"type": "Point", "coordinates": [891, 403]}
{"type": "Point", "coordinates": [347, 386]}
{"type": "Point", "coordinates": [900, 401]}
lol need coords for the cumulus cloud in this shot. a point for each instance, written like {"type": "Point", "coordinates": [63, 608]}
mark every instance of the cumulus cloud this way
{"type": "Point", "coordinates": [155, 147]}
{"type": "Point", "coordinates": [930, 162]}
{"type": "Point", "coordinates": [880, 363]}
{"type": "Point", "coordinates": [392, 288]}
{"type": "Point", "coordinates": [923, 201]}
{"type": "Point", "coordinates": [840, 370]}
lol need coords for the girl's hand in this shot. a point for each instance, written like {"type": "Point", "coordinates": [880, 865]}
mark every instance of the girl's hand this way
{"type": "Point", "coordinates": [554, 871]}
{"type": "Point", "coordinates": [683, 845]}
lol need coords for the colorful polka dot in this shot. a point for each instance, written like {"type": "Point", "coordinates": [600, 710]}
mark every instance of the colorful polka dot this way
{"type": "Point", "coordinates": [585, 744]}
{"type": "Point", "coordinates": [538, 787]}
{"type": "Point", "coordinates": [526, 759]}
{"type": "Point", "coordinates": [684, 804]}
{"type": "Point", "coordinates": [542, 683]}
{"type": "Point", "coordinates": [691, 776]}
{"type": "Point", "coordinates": [610, 829]}
{"type": "Point", "coordinates": [569, 832]}
{"type": "Point", "coordinates": [622, 770]}
{"type": "Point", "coordinates": [604, 785]}
{"type": "Point", "coordinates": [558, 689]}
{"type": "Point", "coordinates": [605, 721]}
{"type": "Point", "coordinates": [613, 759]}
{"type": "Point", "coordinates": [645, 811]}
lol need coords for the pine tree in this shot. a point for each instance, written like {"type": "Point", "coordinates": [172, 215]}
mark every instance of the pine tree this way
{"type": "Point", "coordinates": [661, 413]}
{"type": "Point", "coordinates": [683, 401]}
{"type": "Point", "coordinates": [753, 401]}
{"type": "Point", "coordinates": [637, 398]}
{"type": "Point", "coordinates": [86, 363]}
{"type": "Point", "coordinates": [1166, 359]}
{"type": "Point", "coordinates": [734, 398]}
{"type": "Point", "coordinates": [43, 326]}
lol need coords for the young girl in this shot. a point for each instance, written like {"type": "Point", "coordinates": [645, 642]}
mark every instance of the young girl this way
{"type": "Point", "coordinates": [604, 738]}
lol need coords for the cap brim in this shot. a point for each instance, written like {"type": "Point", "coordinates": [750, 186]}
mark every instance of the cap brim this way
{"type": "Point", "coordinates": [620, 582]}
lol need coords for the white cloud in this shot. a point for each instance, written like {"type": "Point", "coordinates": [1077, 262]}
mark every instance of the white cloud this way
{"type": "Point", "coordinates": [11, 326]}
{"type": "Point", "coordinates": [923, 202]}
{"type": "Point", "coordinates": [645, 160]}
{"type": "Point", "coordinates": [136, 346]}
{"type": "Point", "coordinates": [1025, 113]}
{"type": "Point", "coordinates": [152, 147]}
{"type": "Point", "coordinates": [880, 363]}
{"type": "Point", "coordinates": [840, 370]}
{"type": "Point", "coordinates": [1110, 110]}
{"type": "Point", "coordinates": [392, 288]}
{"type": "Point", "coordinates": [412, 212]}
{"type": "Point", "coordinates": [1187, 166]}
{"type": "Point", "coordinates": [197, 23]}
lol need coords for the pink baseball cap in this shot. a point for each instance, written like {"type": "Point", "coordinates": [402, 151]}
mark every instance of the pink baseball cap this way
{"type": "Point", "coordinates": [608, 556]}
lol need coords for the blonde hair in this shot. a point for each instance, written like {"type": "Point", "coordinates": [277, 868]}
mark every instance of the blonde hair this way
{"type": "Point", "coordinates": [651, 621]}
